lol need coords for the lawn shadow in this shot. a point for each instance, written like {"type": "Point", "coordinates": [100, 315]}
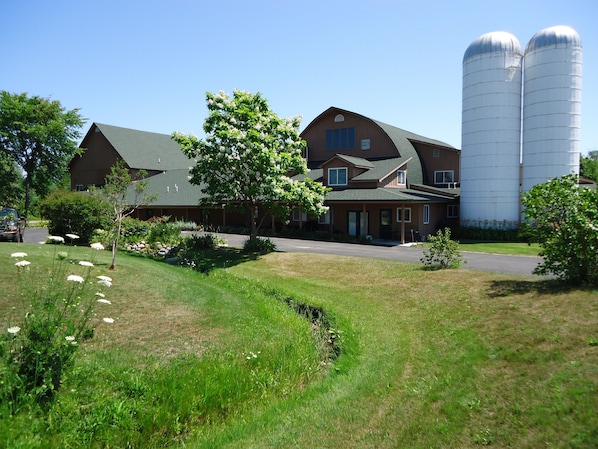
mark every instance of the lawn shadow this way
{"type": "Point", "coordinates": [207, 260]}
{"type": "Point", "coordinates": [505, 288]}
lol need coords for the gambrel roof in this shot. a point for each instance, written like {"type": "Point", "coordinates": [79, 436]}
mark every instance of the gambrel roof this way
{"type": "Point", "coordinates": [142, 149]}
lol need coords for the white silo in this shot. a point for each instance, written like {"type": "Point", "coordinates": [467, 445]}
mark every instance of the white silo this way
{"type": "Point", "coordinates": [551, 105]}
{"type": "Point", "coordinates": [491, 131]}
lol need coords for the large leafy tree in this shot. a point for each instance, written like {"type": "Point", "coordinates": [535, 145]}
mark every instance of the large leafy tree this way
{"type": "Point", "coordinates": [563, 218]}
{"type": "Point", "coordinates": [40, 136]}
{"type": "Point", "coordinates": [588, 167]}
{"type": "Point", "coordinates": [248, 158]}
{"type": "Point", "coordinates": [11, 182]}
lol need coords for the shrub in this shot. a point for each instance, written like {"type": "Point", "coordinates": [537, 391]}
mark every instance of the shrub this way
{"type": "Point", "coordinates": [443, 252]}
{"type": "Point", "coordinates": [161, 230]}
{"type": "Point", "coordinates": [562, 217]}
{"type": "Point", "coordinates": [259, 245]}
{"type": "Point", "coordinates": [73, 212]}
{"type": "Point", "coordinates": [134, 230]}
{"type": "Point", "coordinates": [201, 242]}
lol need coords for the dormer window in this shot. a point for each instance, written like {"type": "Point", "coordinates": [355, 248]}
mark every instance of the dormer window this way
{"type": "Point", "coordinates": [401, 177]}
{"type": "Point", "coordinates": [337, 176]}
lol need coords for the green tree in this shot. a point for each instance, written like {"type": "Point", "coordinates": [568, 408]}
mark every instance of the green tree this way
{"type": "Point", "coordinates": [563, 219]}
{"type": "Point", "coordinates": [588, 166]}
{"type": "Point", "coordinates": [248, 158]}
{"type": "Point", "coordinates": [40, 136]}
{"type": "Point", "coordinates": [124, 193]}
{"type": "Point", "coordinates": [11, 182]}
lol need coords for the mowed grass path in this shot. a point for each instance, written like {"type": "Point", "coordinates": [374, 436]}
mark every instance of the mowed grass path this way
{"type": "Point", "coordinates": [440, 359]}
{"type": "Point", "coordinates": [431, 359]}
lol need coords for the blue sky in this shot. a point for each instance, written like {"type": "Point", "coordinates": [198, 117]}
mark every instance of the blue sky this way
{"type": "Point", "coordinates": [146, 64]}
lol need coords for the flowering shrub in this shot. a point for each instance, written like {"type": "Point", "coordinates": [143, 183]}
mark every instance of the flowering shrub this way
{"type": "Point", "coordinates": [44, 333]}
{"type": "Point", "coordinates": [443, 252]}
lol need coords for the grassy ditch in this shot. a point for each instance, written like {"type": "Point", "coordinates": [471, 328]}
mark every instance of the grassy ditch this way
{"type": "Point", "coordinates": [444, 359]}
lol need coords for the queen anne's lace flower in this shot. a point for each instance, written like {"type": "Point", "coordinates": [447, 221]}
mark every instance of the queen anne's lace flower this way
{"type": "Point", "coordinates": [75, 278]}
{"type": "Point", "coordinates": [56, 238]}
{"type": "Point", "coordinates": [72, 236]}
{"type": "Point", "coordinates": [19, 254]}
{"type": "Point", "coordinates": [97, 246]}
{"type": "Point", "coordinates": [23, 263]}
{"type": "Point", "coordinates": [84, 263]}
{"type": "Point", "coordinates": [104, 301]}
{"type": "Point", "coordinates": [14, 330]}
{"type": "Point", "coordinates": [108, 320]}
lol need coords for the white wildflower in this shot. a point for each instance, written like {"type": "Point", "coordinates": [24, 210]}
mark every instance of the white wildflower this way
{"type": "Point", "coordinates": [69, 338]}
{"type": "Point", "coordinates": [56, 238]}
{"type": "Point", "coordinates": [14, 330]}
{"type": "Point", "coordinates": [100, 295]}
{"type": "Point", "coordinates": [104, 278]}
{"type": "Point", "coordinates": [104, 283]}
{"type": "Point", "coordinates": [97, 246]}
{"type": "Point", "coordinates": [104, 301]}
{"type": "Point", "coordinates": [19, 254]}
{"type": "Point", "coordinates": [84, 263]}
{"type": "Point", "coordinates": [75, 278]}
{"type": "Point", "coordinates": [23, 263]}
{"type": "Point", "coordinates": [72, 236]}
{"type": "Point", "coordinates": [108, 320]}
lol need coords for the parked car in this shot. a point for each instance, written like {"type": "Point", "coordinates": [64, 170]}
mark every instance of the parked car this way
{"type": "Point", "coordinates": [12, 225]}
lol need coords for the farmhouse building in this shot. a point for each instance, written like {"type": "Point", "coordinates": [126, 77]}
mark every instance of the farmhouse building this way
{"type": "Point", "coordinates": [386, 182]}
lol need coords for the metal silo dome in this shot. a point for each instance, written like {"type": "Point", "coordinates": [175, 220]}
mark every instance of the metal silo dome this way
{"type": "Point", "coordinates": [551, 105]}
{"type": "Point", "coordinates": [491, 131]}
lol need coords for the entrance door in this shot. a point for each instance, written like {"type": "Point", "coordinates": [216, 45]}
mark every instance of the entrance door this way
{"type": "Point", "coordinates": [386, 224]}
{"type": "Point", "coordinates": [355, 223]}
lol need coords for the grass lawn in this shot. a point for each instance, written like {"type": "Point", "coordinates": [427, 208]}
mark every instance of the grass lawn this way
{"type": "Point", "coordinates": [519, 249]}
{"type": "Point", "coordinates": [430, 359]}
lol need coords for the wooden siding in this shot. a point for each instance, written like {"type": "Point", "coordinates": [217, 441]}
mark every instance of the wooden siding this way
{"type": "Point", "coordinates": [448, 159]}
{"type": "Point", "coordinates": [380, 144]}
{"type": "Point", "coordinates": [94, 164]}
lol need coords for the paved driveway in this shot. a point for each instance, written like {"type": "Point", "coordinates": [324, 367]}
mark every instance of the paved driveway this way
{"type": "Point", "coordinates": [523, 265]}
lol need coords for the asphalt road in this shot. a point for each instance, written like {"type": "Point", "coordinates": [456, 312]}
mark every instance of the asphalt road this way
{"type": "Point", "coordinates": [521, 265]}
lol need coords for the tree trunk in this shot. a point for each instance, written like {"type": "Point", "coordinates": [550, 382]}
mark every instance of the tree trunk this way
{"type": "Point", "coordinates": [252, 224]}
{"type": "Point", "coordinates": [115, 244]}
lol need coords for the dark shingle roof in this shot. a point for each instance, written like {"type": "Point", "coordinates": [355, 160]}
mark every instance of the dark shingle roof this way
{"type": "Point", "coordinates": [380, 169]}
{"type": "Point", "coordinates": [145, 150]}
{"type": "Point", "coordinates": [385, 194]}
{"type": "Point", "coordinates": [172, 188]}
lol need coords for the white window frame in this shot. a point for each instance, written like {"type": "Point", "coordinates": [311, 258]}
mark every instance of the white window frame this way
{"type": "Point", "coordinates": [324, 218]}
{"type": "Point", "coordinates": [407, 214]}
{"type": "Point", "coordinates": [443, 174]}
{"type": "Point", "coordinates": [426, 214]}
{"type": "Point", "coordinates": [296, 213]}
{"type": "Point", "coordinates": [452, 211]}
{"type": "Point", "coordinates": [338, 170]}
{"type": "Point", "coordinates": [402, 177]}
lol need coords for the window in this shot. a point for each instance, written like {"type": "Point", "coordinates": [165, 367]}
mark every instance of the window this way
{"type": "Point", "coordinates": [401, 177]}
{"type": "Point", "coordinates": [324, 218]}
{"type": "Point", "coordinates": [365, 144]}
{"type": "Point", "coordinates": [339, 118]}
{"type": "Point", "coordinates": [452, 211]}
{"type": "Point", "coordinates": [407, 214]}
{"type": "Point", "coordinates": [337, 176]}
{"type": "Point", "coordinates": [340, 139]}
{"type": "Point", "coordinates": [444, 177]}
{"type": "Point", "coordinates": [436, 152]}
{"type": "Point", "coordinates": [80, 188]}
{"type": "Point", "coordinates": [298, 216]}
{"type": "Point", "coordinates": [426, 213]}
